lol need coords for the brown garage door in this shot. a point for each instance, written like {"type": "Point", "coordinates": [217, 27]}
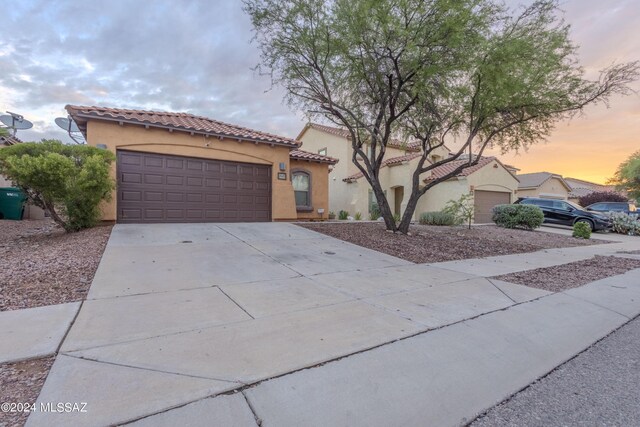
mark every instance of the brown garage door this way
{"type": "Point", "coordinates": [164, 188]}
{"type": "Point", "coordinates": [485, 201]}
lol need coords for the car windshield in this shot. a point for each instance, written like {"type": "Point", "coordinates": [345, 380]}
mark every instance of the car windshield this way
{"type": "Point", "coordinates": [574, 205]}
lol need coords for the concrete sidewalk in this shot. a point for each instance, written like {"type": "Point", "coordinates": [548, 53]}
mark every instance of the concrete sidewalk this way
{"type": "Point", "coordinates": [307, 329]}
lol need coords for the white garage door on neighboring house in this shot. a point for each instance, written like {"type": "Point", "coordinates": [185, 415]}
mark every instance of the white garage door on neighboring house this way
{"type": "Point", "coordinates": [484, 201]}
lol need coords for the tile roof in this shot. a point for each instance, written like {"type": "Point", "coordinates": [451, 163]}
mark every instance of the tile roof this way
{"type": "Point", "coordinates": [392, 161]}
{"type": "Point", "coordinates": [311, 157]}
{"type": "Point", "coordinates": [447, 168]}
{"type": "Point", "coordinates": [580, 187]}
{"type": "Point", "coordinates": [536, 179]}
{"type": "Point", "coordinates": [177, 121]}
{"type": "Point", "coordinates": [10, 140]}
{"type": "Point", "coordinates": [344, 133]}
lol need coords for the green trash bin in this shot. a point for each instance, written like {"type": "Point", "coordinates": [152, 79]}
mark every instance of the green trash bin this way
{"type": "Point", "coordinates": [12, 202]}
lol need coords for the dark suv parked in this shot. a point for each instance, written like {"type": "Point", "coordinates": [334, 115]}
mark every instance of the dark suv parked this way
{"type": "Point", "coordinates": [566, 213]}
{"type": "Point", "coordinates": [605, 207]}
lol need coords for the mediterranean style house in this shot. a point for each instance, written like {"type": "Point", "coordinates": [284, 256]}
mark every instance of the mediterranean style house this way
{"type": "Point", "coordinates": [177, 167]}
{"type": "Point", "coordinates": [549, 185]}
{"type": "Point", "coordinates": [545, 185]}
{"type": "Point", "coordinates": [490, 182]}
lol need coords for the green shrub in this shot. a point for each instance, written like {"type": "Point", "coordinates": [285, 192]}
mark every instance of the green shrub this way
{"type": "Point", "coordinates": [528, 217]}
{"type": "Point", "coordinates": [332, 215]}
{"type": "Point", "coordinates": [358, 216]}
{"type": "Point", "coordinates": [397, 218]}
{"type": "Point", "coordinates": [374, 212]}
{"type": "Point", "coordinates": [343, 215]}
{"type": "Point", "coordinates": [69, 181]}
{"type": "Point", "coordinates": [461, 209]}
{"type": "Point", "coordinates": [581, 230]}
{"type": "Point", "coordinates": [625, 224]}
{"type": "Point", "coordinates": [437, 218]}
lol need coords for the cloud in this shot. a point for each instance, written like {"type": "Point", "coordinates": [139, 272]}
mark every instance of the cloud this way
{"type": "Point", "coordinates": [196, 56]}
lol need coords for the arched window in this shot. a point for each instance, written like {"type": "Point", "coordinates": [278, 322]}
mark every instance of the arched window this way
{"type": "Point", "coordinates": [301, 181]}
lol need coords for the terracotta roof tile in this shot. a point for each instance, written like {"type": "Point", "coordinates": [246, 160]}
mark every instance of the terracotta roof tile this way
{"type": "Point", "coordinates": [344, 133]}
{"type": "Point", "coordinates": [10, 140]}
{"type": "Point", "coordinates": [447, 168]}
{"type": "Point", "coordinates": [311, 157]}
{"type": "Point", "coordinates": [392, 161]}
{"type": "Point", "coordinates": [178, 121]}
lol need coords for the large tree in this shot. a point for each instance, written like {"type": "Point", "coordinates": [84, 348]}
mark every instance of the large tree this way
{"type": "Point", "coordinates": [627, 177]}
{"type": "Point", "coordinates": [428, 71]}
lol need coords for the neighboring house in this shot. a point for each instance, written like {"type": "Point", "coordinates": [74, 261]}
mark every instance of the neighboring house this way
{"type": "Point", "coordinates": [545, 185]}
{"type": "Point", "coordinates": [177, 167]}
{"type": "Point", "coordinates": [490, 181]}
{"type": "Point", "coordinates": [580, 187]}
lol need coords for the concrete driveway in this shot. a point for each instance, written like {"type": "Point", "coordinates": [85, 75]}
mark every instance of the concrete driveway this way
{"type": "Point", "coordinates": [218, 324]}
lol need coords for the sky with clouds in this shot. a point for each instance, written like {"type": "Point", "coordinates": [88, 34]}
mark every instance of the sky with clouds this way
{"type": "Point", "coordinates": [197, 57]}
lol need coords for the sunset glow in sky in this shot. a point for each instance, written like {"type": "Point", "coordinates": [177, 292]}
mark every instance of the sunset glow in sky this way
{"type": "Point", "coordinates": [196, 56]}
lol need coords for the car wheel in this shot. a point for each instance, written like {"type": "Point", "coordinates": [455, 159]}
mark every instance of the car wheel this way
{"type": "Point", "coordinates": [586, 221]}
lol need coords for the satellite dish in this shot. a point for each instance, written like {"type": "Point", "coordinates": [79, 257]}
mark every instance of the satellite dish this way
{"type": "Point", "coordinates": [15, 122]}
{"type": "Point", "coordinates": [67, 124]}
{"type": "Point", "coordinates": [71, 127]}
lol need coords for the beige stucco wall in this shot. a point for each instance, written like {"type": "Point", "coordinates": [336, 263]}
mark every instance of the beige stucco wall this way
{"type": "Point", "coordinates": [493, 177]}
{"type": "Point", "coordinates": [551, 188]}
{"type": "Point", "coordinates": [437, 197]}
{"type": "Point", "coordinates": [313, 140]}
{"type": "Point", "coordinates": [319, 188]}
{"type": "Point", "coordinates": [153, 140]}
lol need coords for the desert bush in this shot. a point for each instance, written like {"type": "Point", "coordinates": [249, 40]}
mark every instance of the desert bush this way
{"type": "Point", "coordinates": [343, 215]}
{"type": "Point", "coordinates": [581, 230]}
{"type": "Point", "coordinates": [69, 181]}
{"type": "Point", "coordinates": [437, 218]}
{"type": "Point", "coordinates": [461, 209]}
{"type": "Point", "coordinates": [358, 216]}
{"type": "Point", "coordinates": [601, 196]}
{"type": "Point", "coordinates": [332, 215]}
{"type": "Point", "coordinates": [528, 217]}
{"type": "Point", "coordinates": [625, 224]}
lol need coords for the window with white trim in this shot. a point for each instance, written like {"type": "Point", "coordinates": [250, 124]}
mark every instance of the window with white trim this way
{"type": "Point", "coordinates": [302, 189]}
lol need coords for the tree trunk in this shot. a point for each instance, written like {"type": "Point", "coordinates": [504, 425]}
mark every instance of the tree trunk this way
{"type": "Point", "coordinates": [408, 212]}
{"type": "Point", "coordinates": [56, 218]}
{"type": "Point", "coordinates": [383, 204]}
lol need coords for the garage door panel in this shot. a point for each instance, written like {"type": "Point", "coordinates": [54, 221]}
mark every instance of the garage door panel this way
{"type": "Point", "coordinates": [175, 164]}
{"type": "Point", "coordinates": [134, 178]}
{"type": "Point", "coordinates": [195, 197]}
{"type": "Point", "coordinates": [229, 183]}
{"type": "Point", "coordinates": [175, 180]}
{"type": "Point", "coordinates": [153, 196]}
{"type": "Point", "coordinates": [153, 161]}
{"type": "Point", "coordinates": [212, 183]}
{"type": "Point", "coordinates": [127, 159]}
{"type": "Point", "coordinates": [166, 188]}
{"type": "Point", "coordinates": [176, 197]}
{"type": "Point", "coordinates": [134, 196]}
{"type": "Point", "coordinates": [151, 213]}
{"type": "Point", "coordinates": [484, 201]}
{"type": "Point", "coordinates": [153, 179]}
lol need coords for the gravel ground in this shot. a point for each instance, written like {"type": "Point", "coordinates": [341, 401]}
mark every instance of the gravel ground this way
{"type": "Point", "coordinates": [43, 265]}
{"type": "Point", "coordinates": [435, 244]}
{"type": "Point", "coordinates": [599, 387]}
{"type": "Point", "coordinates": [573, 274]}
{"type": "Point", "coordinates": [21, 382]}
